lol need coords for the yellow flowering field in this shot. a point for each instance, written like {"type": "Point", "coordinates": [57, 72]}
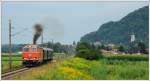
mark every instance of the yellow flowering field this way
{"type": "Point", "coordinates": [81, 69]}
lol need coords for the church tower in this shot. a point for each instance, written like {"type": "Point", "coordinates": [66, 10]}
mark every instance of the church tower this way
{"type": "Point", "coordinates": [132, 37]}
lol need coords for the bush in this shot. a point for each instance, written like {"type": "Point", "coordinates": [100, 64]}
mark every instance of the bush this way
{"type": "Point", "coordinates": [83, 45]}
{"type": "Point", "coordinates": [121, 48]}
{"type": "Point", "coordinates": [83, 53]}
{"type": "Point", "coordinates": [87, 51]}
{"type": "Point", "coordinates": [89, 54]}
{"type": "Point", "coordinates": [94, 55]}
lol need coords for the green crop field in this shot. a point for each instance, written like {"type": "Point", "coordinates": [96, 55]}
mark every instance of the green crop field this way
{"type": "Point", "coordinates": [16, 62]}
{"type": "Point", "coordinates": [14, 57]}
{"type": "Point", "coordinates": [102, 69]}
{"type": "Point", "coordinates": [15, 65]}
{"type": "Point", "coordinates": [129, 57]}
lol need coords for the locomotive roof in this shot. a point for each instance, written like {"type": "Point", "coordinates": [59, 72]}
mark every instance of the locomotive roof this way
{"type": "Point", "coordinates": [35, 46]}
{"type": "Point", "coordinates": [48, 49]}
{"type": "Point", "coordinates": [30, 45]}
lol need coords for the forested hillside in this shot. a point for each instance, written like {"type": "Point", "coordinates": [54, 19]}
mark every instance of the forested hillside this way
{"type": "Point", "coordinates": [119, 32]}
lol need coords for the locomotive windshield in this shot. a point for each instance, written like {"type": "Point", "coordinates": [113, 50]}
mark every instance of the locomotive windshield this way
{"type": "Point", "coordinates": [26, 49]}
{"type": "Point", "coordinates": [34, 49]}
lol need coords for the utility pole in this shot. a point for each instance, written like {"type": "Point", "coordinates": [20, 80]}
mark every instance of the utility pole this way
{"type": "Point", "coordinates": [52, 44]}
{"type": "Point", "coordinates": [10, 46]}
{"type": "Point", "coordinates": [42, 38]}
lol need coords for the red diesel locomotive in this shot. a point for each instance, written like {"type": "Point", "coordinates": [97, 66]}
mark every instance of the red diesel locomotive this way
{"type": "Point", "coordinates": [35, 55]}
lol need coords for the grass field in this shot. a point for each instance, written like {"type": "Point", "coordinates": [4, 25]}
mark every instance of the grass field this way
{"type": "Point", "coordinates": [102, 69]}
{"type": "Point", "coordinates": [17, 60]}
{"type": "Point", "coordinates": [14, 57]}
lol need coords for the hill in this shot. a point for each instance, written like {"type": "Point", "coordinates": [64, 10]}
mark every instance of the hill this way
{"type": "Point", "coordinates": [119, 32]}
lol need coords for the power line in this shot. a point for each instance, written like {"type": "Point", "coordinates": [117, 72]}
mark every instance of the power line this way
{"type": "Point", "coordinates": [19, 32]}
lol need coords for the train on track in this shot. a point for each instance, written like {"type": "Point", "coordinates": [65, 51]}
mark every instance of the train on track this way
{"type": "Point", "coordinates": [34, 55]}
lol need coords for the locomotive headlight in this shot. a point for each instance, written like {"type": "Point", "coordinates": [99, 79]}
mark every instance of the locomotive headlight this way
{"type": "Point", "coordinates": [35, 58]}
{"type": "Point", "coordinates": [24, 58]}
{"type": "Point", "coordinates": [29, 55]}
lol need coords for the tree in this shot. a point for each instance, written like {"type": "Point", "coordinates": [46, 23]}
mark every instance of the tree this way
{"type": "Point", "coordinates": [102, 46]}
{"type": "Point", "coordinates": [121, 48]}
{"type": "Point", "coordinates": [74, 43]}
{"type": "Point", "coordinates": [85, 50]}
{"type": "Point", "coordinates": [142, 47]}
{"type": "Point", "coordinates": [82, 45]}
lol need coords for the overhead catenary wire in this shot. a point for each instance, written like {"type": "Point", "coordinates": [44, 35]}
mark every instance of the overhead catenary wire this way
{"type": "Point", "coordinates": [19, 32]}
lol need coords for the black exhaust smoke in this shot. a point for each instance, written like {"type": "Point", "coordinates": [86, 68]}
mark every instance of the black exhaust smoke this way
{"type": "Point", "coordinates": [38, 31]}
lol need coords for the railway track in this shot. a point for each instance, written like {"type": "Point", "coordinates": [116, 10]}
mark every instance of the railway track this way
{"type": "Point", "coordinates": [9, 74]}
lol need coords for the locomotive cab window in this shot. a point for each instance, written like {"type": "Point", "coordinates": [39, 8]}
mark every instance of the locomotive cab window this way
{"type": "Point", "coordinates": [26, 49]}
{"type": "Point", "coordinates": [34, 49]}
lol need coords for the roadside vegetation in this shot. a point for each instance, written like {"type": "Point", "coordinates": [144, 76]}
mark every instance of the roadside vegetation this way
{"type": "Point", "coordinates": [82, 69]}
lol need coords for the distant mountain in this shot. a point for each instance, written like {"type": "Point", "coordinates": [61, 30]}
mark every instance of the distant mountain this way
{"type": "Point", "coordinates": [15, 48]}
{"type": "Point", "coordinates": [136, 22]}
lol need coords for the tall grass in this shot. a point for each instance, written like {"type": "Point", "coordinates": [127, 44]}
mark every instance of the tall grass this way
{"type": "Point", "coordinates": [132, 57]}
{"type": "Point", "coordinates": [112, 70]}
{"type": "Point", "coordinates": [81, 69]}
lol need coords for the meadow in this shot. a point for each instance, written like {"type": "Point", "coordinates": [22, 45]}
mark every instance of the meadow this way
{"type": "Point", "coordinates": [102, 69]}
{"type": "Point", "coordinates": [16, 62]}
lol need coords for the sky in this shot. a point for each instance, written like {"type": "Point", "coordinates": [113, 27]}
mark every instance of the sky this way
{"type": "Point", "coordinates": [62, 22]}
